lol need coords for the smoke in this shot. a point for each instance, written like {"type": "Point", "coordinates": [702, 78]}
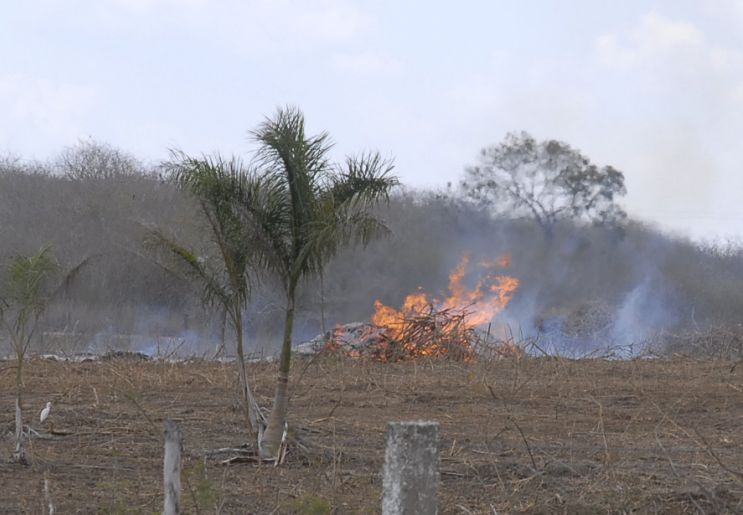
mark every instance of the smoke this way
{"type": "Point", "coordinates": [584, 290]}
{"type": "Point", "coordinates": [642, 314]}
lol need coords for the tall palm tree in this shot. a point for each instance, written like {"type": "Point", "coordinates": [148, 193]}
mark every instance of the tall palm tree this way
{"type": "Point", "coordinates": [314, 207]}
{"type": "Point", "coordinates": [222, 188]}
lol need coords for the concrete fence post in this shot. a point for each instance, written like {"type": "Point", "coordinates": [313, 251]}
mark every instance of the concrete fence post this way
{"type": "Point", "coordinates": [411, 468]}
{"type": "Point", "coordinates": [172, 468]}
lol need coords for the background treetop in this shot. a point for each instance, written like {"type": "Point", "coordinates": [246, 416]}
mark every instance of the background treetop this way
{"type": "Point", "coordinates": [547, 181]}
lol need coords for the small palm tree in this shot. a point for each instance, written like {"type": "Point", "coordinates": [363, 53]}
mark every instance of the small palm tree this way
{"type": "Point", "coordinates": [222, 187]}
{"type": "Point", "coordinates": [313, 208]}
{"type": "Point", "coordinates": [23, 299]}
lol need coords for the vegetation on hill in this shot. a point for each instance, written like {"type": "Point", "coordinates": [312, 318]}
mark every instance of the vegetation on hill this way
{"type": "Point", "coordinates": [643, 284]}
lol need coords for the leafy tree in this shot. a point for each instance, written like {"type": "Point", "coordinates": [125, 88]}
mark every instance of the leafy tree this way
{"type": "Point", "coordinates": [547, 181]}
{"type": "Point", "coordinates": [24, 297]}
{"type": "Point", "coordinates": [222, 188]}
{"type": "Point", "coordinates": [314, 208]}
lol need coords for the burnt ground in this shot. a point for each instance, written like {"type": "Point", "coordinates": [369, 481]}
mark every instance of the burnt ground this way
{"type": "Point", "coordinates": [517, 435]}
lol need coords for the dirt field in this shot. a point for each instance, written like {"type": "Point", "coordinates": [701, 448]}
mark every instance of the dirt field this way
{"type": "Point", "coordinates": [517, 435]}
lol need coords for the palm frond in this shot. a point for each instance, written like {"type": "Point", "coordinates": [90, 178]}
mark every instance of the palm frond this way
{"type": "Point", "coordinates": [298, 163]}
{"type": "Point", "coordinates": [366, 178]}
{"type": "Point", "coordinates": [315, 207]}
{"type": "Point", "coordinates": [212, 288]}
{"type": "Point", "coordinates": [287, 152]}
{"type": "Point", "coordinates": [222, 187]}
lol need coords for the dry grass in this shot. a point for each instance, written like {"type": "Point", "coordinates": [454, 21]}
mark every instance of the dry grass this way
{"type": "Point", "coordinates": [518, 435]}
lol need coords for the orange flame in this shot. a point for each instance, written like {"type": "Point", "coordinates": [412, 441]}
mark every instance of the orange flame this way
{"type": "Point", "coordinates": [481, 303]}
{"type": "Point", "coordinates": [435, 327]}
{"type": "Point", "coordinates": [394, 320]}
{"type": "Point", "coordinates": [490, 296]}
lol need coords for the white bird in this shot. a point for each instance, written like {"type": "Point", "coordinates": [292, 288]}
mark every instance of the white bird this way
{"type": "Point", "coordinates": [45, 412]}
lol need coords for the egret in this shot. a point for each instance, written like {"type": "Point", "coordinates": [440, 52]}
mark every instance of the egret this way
{"type": "Point", "coordinates": [45, 412]}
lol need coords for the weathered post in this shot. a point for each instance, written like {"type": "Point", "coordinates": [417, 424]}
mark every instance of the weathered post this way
{"type": "Point", "coordinates": [172, 468]}
{"type": "Point", "coordinates": [411, 468]}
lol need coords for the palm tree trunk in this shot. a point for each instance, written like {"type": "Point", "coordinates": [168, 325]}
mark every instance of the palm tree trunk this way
{"type": "Point", "coordinates": [271, 442]}
{"type": "Point", "coordinates": [250, 404]}
{"type": "Point", "coordinates": [20, 447]}
{"type": "Point", "coordinates": [322, 304]}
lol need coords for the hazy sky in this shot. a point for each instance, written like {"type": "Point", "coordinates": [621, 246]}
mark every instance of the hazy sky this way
{"type": "Point", "coordinates": [652, 88]}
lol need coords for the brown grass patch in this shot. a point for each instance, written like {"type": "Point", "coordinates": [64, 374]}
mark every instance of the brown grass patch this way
{"type": "Point", "coordinates": [518, 435]}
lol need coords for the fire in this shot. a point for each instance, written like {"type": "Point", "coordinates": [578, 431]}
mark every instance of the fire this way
{"type": "Point", "coordinates": [426, 326]}
{"type": "Point", "coordinates": [394, 320]}
{"type": "Point", "coordinates": [490, 296]}
{"type": "Point", "coordinates": [429, 327]}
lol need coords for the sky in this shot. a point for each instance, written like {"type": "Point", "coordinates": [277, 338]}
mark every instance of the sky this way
{"type": "Point", "coordinates": [654, 89]}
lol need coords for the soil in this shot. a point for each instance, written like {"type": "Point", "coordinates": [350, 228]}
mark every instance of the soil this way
{"type": "Point", "coordinates": [518, 435]}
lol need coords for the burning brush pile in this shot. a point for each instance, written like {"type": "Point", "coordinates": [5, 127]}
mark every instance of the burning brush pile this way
{"type": "Point", "coordinates": [457, 327]}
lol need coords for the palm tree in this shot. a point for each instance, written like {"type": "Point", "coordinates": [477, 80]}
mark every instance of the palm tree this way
{"type": "Point", "coordinates": [222, 188]}
{"type": "Point", "coordinates": [312, 209]}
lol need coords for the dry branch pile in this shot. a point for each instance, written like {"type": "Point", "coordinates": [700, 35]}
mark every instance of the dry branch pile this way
{"type": "Point", "coordinates": [442, 333]}
{"type": "Point", "coordinates": [434, 333]}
